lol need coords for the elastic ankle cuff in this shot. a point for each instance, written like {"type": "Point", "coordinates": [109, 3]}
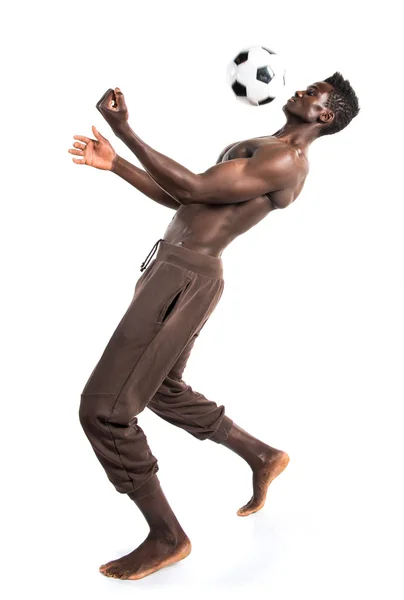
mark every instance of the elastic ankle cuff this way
{"type": "Point", "coordinates": [147, 489]}
{"type": "Point", "coordinates": [222, 433]}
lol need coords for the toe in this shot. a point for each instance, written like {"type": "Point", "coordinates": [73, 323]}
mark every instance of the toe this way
{"type": "Point", "coordinates": [118, 572]}
{"type": "Point", "coordinates": [246, 506]}
{"type": "Point", "coordinates": [110, 573]}
{"type": "Point", "coordinates": [115, 570]}
{"type": "Point", "coordinates": [249, 508]}
{"type": "Point", "coordinates": [124, 575]}
{"type": "Point", "coordinates": [104, 568]}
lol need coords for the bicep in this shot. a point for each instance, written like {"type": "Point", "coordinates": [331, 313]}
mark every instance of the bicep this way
{"type": "Point", "coordinates": [243, 179]}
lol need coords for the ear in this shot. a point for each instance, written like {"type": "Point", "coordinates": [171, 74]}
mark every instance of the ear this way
{"type": "Point", "coordinates": [327, 117]}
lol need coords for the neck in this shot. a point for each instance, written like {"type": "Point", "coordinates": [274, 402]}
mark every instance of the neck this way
{"type": "Point", "coordinates": [297, 134]}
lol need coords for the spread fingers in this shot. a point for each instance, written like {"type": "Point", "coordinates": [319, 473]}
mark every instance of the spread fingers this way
{"type": "Point", "coordinates": [83, 138]}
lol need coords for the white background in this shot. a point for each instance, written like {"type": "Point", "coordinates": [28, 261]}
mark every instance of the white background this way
{"type": "Point", "coordinates": [305, 348]}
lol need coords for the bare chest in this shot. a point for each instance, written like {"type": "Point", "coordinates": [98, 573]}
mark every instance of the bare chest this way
{"type": "Point", "coordinates": [210, 228]}
{"type": "Point", "coordinates": [247, 149]}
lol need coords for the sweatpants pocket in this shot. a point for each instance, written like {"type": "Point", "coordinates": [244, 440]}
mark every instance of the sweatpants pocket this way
{"type": "Point", "coordinates": [172, 302]}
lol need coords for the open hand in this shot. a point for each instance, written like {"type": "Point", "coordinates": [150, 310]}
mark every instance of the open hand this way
{"type": "Point", "coordinates": [113, 108]}
{"type": "Point", "coordinates": [95, 153]}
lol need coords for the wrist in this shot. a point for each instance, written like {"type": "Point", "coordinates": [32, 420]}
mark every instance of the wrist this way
{"type": "Point", "coordinates": [116, 164]}
{"type": "Point", "coordinates": [122, 129]}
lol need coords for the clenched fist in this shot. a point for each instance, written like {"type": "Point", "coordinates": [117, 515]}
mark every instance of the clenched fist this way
{"type": "Point", "coordinates": [113, 108]}
{"type": "Point", "coordinates": [96, 153]}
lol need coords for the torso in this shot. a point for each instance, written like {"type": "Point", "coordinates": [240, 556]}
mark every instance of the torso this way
{"type": "Point", "coordinates": [209, 228]}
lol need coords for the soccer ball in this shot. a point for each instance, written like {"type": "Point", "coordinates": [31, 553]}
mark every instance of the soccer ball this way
{"type": "Point", "coordinates": [256, 75]}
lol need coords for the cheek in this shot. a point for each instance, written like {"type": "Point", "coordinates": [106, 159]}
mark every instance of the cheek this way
{"type": "Point", "coordinates": [314, 113]}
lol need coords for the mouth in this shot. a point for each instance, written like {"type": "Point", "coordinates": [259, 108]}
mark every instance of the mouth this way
{"type": "Point", "coordinates": [291, 100]}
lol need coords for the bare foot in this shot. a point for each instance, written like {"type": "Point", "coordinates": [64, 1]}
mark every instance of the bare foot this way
{"type": "Point", "coordinates": [273, 462]}
{"type": "Point", "coordinates": [153, 554]}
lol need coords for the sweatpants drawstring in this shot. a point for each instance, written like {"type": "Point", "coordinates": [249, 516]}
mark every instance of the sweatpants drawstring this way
{"type": "Point", "coordinates": [150, 255]}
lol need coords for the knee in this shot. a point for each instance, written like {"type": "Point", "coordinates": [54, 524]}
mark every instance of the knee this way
{"type": "Point", "coordinates": [93, 411]}
{"type": "Point", "coordinates": [87, 414]}
{"type": "Point", "coordinates": [97, 410]}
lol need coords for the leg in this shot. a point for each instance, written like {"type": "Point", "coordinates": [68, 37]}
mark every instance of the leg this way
{"type": "Point", "coordinates": [166, 543]}
{"type": "Point", "coordinates": [116, 392]}
{"type": "Point", "coordinates": [178, 404]}
{"type": "Point", "coordinates": [156, 327]}
{"type": "Point", "coordinates": [266, 464]}
{"type": "Point", "coordinates": [169, 305]}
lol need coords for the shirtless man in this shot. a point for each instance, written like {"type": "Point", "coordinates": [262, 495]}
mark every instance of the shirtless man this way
{"type": "Point", "coordinates": [254, 177]}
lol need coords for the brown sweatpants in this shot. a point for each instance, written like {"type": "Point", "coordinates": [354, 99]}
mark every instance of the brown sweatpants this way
{"type": "Point", "coordinates": [143, 362]}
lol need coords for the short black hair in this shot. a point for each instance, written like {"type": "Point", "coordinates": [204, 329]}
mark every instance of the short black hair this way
{"type": "Point", "coordinates": [342, 101]}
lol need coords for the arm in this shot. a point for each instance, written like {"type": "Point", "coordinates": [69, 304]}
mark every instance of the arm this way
{"type": "Point", "coordinates": [172, 177]}
{"type": "Point", "coordinates": [238, 180]}
{"type": "Point", "coordinates": [269, 170]}
{"type": "Point", "coordinates": [143, 182]}
{"type": "Point", "coordinates": [100, 154]}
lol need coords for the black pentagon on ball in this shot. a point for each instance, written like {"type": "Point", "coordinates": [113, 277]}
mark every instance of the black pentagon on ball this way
{"type": "Point", "coordinates": [240, 58]}
{"type": "Point", "coordinates": [266, 101]}
{"type": "Point", "coordinates": [265, 74]}
{"type": "Point", "coordinates": [268, 50]}
{"type": "Point", "coordinates": [239, 89]}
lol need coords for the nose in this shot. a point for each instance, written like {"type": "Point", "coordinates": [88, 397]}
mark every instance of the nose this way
{"type": "Point", "coordinates": [298, 93]}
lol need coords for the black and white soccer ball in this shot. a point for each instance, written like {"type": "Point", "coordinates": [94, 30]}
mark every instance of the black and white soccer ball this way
{"type": "Point", "coordinates": [256, 75]}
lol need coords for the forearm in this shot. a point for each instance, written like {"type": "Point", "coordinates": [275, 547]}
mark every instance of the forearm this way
{"type": "Point", "coordinates": [175, 179]}
{"type": "Point", "coordinates": [143, 182]}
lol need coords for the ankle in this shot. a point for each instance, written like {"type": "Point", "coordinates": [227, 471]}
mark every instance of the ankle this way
{"type": "Point", "coordinates": [167, 533]}
{"type": "Point", "coordinates": [255, 452]}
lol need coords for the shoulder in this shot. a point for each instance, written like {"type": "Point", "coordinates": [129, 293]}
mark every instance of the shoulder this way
{"type": "Point", "coordinates": [224, 151]}
{"type": "Point", "coordinates": [281, 154]}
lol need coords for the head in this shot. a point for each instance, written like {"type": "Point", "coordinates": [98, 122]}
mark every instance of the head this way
{"type": "Point", "coordinates": [331, 104]}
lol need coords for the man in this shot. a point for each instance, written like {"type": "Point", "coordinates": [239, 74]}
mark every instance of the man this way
{"type": "Point", "coordinates": [143, 362]}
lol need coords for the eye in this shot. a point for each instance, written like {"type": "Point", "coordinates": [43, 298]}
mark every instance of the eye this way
{"type": "Point", "coordinates": [310, 92]}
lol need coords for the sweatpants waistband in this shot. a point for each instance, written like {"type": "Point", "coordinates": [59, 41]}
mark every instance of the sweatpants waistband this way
{"type": "Point", "coordinates": [205, 264]}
